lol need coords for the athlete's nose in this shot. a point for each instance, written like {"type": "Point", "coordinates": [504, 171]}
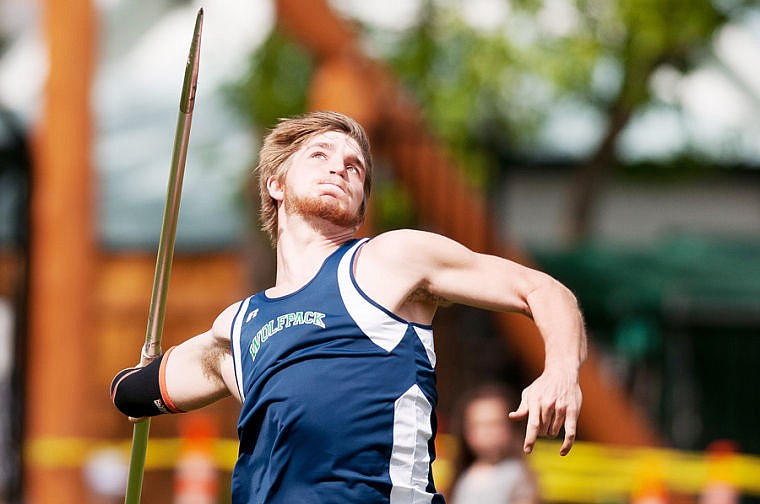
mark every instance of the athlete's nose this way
{"type": "Point", "coordinates": [338, 168]}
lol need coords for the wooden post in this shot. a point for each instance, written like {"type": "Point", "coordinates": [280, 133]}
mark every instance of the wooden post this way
{"type": "Point", "coordinates": [62, 253]}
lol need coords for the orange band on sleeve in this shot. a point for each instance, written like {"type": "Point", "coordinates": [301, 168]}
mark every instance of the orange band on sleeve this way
{"type": "Point", "coordinates": [162, 384]}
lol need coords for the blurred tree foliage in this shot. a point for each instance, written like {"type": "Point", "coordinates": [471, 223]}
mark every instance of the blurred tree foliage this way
{"type": "Point", "coordinates": [275, 84]}
{"type": "Point", "coordinates": [488, 90]}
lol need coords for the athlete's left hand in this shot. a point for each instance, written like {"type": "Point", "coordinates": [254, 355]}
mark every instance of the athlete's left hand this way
{"type": "Point", "coordinates": [551, 402]}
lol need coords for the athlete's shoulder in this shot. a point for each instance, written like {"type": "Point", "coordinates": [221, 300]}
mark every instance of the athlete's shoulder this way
{"type": "Point", "coordinates": [407, 245]}
{"type": "Point", "coordinates": [223, 322]}
{"type": "Point", "coordinates": [397, 239]}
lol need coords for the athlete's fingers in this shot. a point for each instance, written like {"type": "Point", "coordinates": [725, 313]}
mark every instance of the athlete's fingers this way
{"type": "Point", "coordinates": [520, 413]}
{"type": "Point", "coordinates": [549, 424]}
{"type": "Point", "coordinates": [532, 429]}
{"type": "Point", "coordinates": [570, 425]}
{"type": "Point", "coordinates": [531, 433]}
{"type": "Point", "coordinates": [558, 420]}
{"type": "Point", "coordinates": [547, 417]}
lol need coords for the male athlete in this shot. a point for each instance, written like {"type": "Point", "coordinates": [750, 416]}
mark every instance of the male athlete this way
{"type": "Point", "coordinates": [334, 364]}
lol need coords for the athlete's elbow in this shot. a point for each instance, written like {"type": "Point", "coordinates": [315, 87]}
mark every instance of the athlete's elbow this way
{"type": "Point", "coordinates": [136, 392]}
{"type": "Point", "coordinates": [545, 288]}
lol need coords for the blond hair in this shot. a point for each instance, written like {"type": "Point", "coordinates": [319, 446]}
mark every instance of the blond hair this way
{"type": "Point", "coordinates": [286, 138]}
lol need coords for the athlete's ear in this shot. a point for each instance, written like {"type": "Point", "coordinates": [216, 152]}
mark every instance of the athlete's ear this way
{"type": "Point", "coordinates": [275, 188]}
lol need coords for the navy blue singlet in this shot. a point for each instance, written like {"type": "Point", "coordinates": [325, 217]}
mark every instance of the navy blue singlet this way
{"type": "Point", "coordinates": [338, 396]}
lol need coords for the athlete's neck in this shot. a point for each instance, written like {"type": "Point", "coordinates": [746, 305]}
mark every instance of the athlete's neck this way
{"type": "Point", "coordinates": [301, 251]}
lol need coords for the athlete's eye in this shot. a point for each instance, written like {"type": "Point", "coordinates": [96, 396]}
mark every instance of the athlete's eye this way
{"type": "Point", "coordinates": [352, 168]}
{"type": "Point", "coordinates": [319, 155]}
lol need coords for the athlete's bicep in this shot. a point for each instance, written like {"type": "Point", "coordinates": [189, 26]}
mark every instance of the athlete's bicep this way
{"type": "Point", "coordinates": [195, 369]}
{"type": "Point", "coordinates": [448, 270]}
{"type": "Point", "coordinates": [482, 280]}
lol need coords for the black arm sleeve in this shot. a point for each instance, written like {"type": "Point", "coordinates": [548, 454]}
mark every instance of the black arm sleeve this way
{"type": "Point", "coordinates": [136, 392]}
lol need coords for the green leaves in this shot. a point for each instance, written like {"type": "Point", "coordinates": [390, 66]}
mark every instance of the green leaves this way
{"type": "Point", "coordinates": [495, 85]}
{"type": "Point", "coordinates": [276, 83]}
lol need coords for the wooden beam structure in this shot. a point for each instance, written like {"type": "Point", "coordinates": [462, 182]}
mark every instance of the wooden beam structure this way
{"type": "Point", "coordinates": [62, 250]}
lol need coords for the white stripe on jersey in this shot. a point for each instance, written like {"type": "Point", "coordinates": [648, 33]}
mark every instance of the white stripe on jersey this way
{"type": "Point", "coordinates": [237, 325]}
{"type": "Point", "coordinates": [426, 337]}
{"type": "Point", "coordinates": [410, 459]}
{"type": "Point", "coordinates": [382, 329]}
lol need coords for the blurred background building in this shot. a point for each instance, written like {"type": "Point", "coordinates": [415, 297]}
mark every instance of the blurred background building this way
{"type": "Point", "coordinates": [614, 144]}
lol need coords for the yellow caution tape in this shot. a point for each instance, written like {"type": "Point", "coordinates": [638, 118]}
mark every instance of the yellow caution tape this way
{"type": "Point", "coordinates": [600, 473]}
{"type": "Point", "coordinates": [591, 473]}
{"type": "Point", "coordinates": [162, 453]}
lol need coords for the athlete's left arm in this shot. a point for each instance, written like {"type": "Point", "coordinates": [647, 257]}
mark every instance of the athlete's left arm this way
{"type": "Point", "coordinates": [200, 370]}
{"type": "Point", "coordinates": [188, 376]}
{"type": "Point", "coordinates": [446, 269]}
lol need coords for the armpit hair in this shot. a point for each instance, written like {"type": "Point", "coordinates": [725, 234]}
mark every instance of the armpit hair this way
{"type": "Point", "coordinates": [210, 360]}
{"type": "Point", "coordinates": [421, 295]}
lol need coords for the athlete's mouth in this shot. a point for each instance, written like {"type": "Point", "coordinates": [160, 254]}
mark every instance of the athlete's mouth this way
{"type": "Point", "coordinates": [339, 186]}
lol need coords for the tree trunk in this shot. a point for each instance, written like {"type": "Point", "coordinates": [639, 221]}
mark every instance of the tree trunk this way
{"type": "Point", "coordinates": [591, 177]}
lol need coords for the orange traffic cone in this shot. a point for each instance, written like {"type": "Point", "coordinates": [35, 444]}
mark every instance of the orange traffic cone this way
{"type": "Point", "coordinates": [649, 486]}
{"type": "Point", "coordinates": [196, 479]}
{"type": "Point", "coordinates": [720, 487]}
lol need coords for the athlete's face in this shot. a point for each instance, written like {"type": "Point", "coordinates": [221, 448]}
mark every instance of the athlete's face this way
{"type": "Point", "coordinates": [325, 179]}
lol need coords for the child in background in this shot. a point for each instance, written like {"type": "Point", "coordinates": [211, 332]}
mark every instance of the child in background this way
{"type": "Point", "coordinates": [492, 468]}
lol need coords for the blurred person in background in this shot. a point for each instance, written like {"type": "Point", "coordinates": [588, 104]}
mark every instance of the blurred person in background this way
{"type": "Point", "coordinates": [491, 465]}
{"type": "Point", "coordinates": [334, 365]}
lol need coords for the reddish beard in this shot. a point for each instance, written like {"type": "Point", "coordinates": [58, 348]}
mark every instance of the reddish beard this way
{"type": "Point", "coordinates": [327, 209]}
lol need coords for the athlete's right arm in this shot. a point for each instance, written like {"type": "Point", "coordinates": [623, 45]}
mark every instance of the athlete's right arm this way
{"type": "Point", "coordinates": [189, 376]}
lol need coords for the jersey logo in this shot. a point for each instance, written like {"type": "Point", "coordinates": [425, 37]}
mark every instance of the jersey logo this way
{"type": "Point", "coordinates": [252, 315]}
{"type": "Point", "coordinates": [282, 322]}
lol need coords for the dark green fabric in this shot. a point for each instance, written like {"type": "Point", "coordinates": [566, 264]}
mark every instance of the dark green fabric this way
{"type": "Point", "coordinates": [686, 310]}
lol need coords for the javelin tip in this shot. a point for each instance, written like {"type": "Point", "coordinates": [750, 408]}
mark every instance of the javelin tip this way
{"type": "Point", "coordinates": [187, 102]}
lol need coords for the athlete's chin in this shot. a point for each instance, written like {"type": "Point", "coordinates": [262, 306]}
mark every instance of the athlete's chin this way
{"type": "Point", "coordinates": [341, 217]}
{"type": "Point", "coordinates": [326, 208]}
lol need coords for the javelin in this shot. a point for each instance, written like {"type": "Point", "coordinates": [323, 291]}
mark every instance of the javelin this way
{"type": "Point", "coordinates": [152, 347]}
